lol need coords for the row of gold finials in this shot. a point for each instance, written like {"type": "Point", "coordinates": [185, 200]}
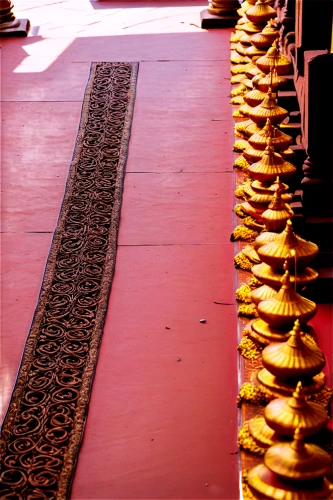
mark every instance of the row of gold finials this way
{"type": "Point", "coordinates": [289, 379]}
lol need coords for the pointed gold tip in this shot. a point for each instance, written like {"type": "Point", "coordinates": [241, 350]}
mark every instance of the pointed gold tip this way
{"type": "Point", "coordinates": [299, 390]}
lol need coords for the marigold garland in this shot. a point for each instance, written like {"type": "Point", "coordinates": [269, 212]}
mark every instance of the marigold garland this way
{"type": "Point", "coordinates": [250, 222]}
{"type": "Point", "coordinates": [252, 394]}
{"type": "Point", "coordinates": [240, 90]}
{"type": "Point", "coordinates": [253, 282]}
{"type": "Point", "coordinates": [248, 310]}
{"type": "Point", "coordinates": [242, 262]}
{"type": "Point", "coordinates": [243, 233]}
{"type": "Point", "coordinates": [243, 293]}
{"type": "Point", "coordinates": [241, 163]}
{"type": "Point", "coordinates": [238, 209]}
{"type": "Point", "coordinates": [249, 349]}
{"type": "Point", "coordinates": [323, 398]}
{"type": "Point", "coordinates": [240, 145]}
{"type": "Point", "coordinates": [237, 114]}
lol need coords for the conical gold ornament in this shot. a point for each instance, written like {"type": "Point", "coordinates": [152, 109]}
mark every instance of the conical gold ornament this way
{"type": "Point", "coordinates": [288, 247]}
{"type": "Point", "coordinates": [264, 292]}
{"type": "Point", "coordinates": [272, 277]}
{"type": "Point", "coordinates": [251, 28]}
{"type": "Point", "coordinates": [277, 214]}
{"type": "Point", "coordinates": [253, 71]}
{"type": "Point", "coordinates": [267, 188]}
{"type": "Point", "coordinates": [251, 128]}
{"type": "Point", "coordinates": [274, 59]}
{"type": "Point", "coordinates": [268, 109]}
{"type": "Point", "coordinates": [254, 155]}
{"type": "Point", "coordinates": [264, 238]}
{"type": "Point", "coordinates": [235, 37]}
{"type": "Point", "coordinates": [246, 39]}
{"type": "Point", "coordinates": [293, 359]}
{"type": "Point", "coordinates": [292, 471]}
{"type": "Point", "coordinates": [271, 80]}
{"type": "Point", "coordinates": [298, 460]}
{"type": "Point", "coordinates": [270, 166]}
{"type": "Point", "coordinates": [277, 387]}
{"type": "Point", "coordinates": [266, 37]}
{"type": "Point", "coordinates": [262, 433]}
{"type": "Point", "coordinates": [241, 49]}
{"type": "Point", "coordinates": [261, 12]}
{"type": "Point", "coordinates": [254, 53]}
{"type": "Point", "coordinates": [254, 97]}
{"type": "Point", "coordinates": [282, 310]}
{"type": "Point", "coordinates": [245, 109]}
{"type": "Point", "coordinates": [265, 484]}
{"type": "Point", "coordinates": [280, 140]}
{"type": "Point", "coordinates": [284, 415]}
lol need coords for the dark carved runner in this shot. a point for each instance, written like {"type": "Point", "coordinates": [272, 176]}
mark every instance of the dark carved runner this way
{"type": "Point", "coordinates": [44, 424]}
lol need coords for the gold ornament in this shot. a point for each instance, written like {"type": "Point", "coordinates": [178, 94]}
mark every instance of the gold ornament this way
{"type": "Point", "coordinates": [288, 248]}
{"type": "Point", "coordinates": [261, 12]}
{"type": "Point", "coordinates": [270, 166]}
{"type": "Point", "coordinates": [264, 292]}
{"type": "Point", "coordinates": [273, 59]}
{"type": "Point", "coordinates": [272, 277]}
{"type": "Point", "coordinates": [292, 471]}
{"type": "Point", "coordinates": [268, 109]}
{"type": "Point", "coordinates": [280, 141]}
{"type": "Point", "coordinates": [277, 214]}
{"type": "Point", "coordinates": [284, 415]}
{"type": "Point", "coordinates": [266, 37]}
{"type": "Point", "coordinates": [282, 310]}
{"type": "Point", "coordinates": [271, 80]}
{"type": "Point", "coordinates": [295, 358]}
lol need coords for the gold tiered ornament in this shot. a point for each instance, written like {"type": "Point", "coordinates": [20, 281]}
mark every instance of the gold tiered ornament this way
{"type": "Point", "coordinates": [282, 370]}
{"type": "Point", "coordinates": [266, 37]}
{"type": "Point", "coordinates": [277, 314]}
{"type": "Point", "coordinates": [292, 363]}
{"type": "Point", "coordinates": [274, 59]}
{"type": "Point", "coordinates": [281, 418]}
{"type": "Point", "coordinates": [281, 256]}
{"type": "Point", "coordinates": [284, 415]}
{"type": "Point", "coordinates": [292, 471]}
{"type": "Point", "coordinates": [261, 12]}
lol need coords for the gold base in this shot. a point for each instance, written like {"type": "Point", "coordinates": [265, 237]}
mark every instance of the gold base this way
{"type": "Point", "coordinates": [271, 277]}
{"type": "Point", "coordinates": [269, 334]}
{"type": "Point", "coordinates": [267, 382]}
{"type": "Point", "coordinates": [262, 433]}
{"type": "Point", "coordinates": [265, 484]}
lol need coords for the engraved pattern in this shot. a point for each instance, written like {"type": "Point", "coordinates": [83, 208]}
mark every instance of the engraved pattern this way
{"type": "Point", "coordinates": [44, 423]}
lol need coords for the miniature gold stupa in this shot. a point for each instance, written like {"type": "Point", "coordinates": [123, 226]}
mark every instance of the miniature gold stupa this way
{"type": "Point", "coordinates": [271, 80]}
{"type": "Point", "coordinates": [274, 59]}
{"type": "Point", "coordinates": [285, 306]}
{"type": "Point", "coordinates": [268, 109]}
{"type": "Point", "coordinates": [266, 37]}
{"type": "Point", "coordinates": [261, 12]}
{"type": "Point", "coordinates": [292, 471]}
{"type": "Point", "coordinates": [288, 247]}
{"type": "Point", "coordinates": [284, 415]}
{"type": "Point", "coordinates": [270, 166]}
{"type": "Point", "coordinates": [289, 362]}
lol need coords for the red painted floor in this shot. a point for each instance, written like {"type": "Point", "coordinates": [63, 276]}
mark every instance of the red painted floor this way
{"type": "Point", "coordinates": [162, 422]}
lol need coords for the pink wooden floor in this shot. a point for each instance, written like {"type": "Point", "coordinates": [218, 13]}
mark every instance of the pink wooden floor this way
{"type": "Point", "coordinates": [162, 421]}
